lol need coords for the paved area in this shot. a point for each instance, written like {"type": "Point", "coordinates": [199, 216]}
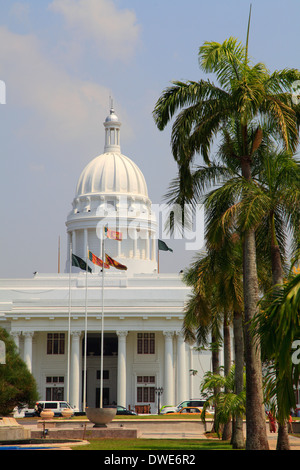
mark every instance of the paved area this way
{"type": "Point", "coordinates": [155, 434]}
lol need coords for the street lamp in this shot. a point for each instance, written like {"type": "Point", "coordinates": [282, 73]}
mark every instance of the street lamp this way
{"type": "Point", "coordinates": [159, 391]}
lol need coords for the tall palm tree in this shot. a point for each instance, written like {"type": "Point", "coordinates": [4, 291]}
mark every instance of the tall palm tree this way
{"type": "Point", "coordinates": [248, 93]}
{"type": "Point", "coordinates": [271, 203]}
{"type": "Point", "coordinates": [216, 280]}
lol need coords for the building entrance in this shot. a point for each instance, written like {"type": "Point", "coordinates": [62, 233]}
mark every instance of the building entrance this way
{"type": "Point", "coordinates": [110, 368]}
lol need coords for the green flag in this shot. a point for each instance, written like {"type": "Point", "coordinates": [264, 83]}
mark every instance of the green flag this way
{"type": "Point", "coordinates": [163, 246]}
{"type": "Point", "coordinates": [79, 263]}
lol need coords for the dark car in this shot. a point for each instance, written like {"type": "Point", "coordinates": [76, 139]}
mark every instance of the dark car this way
{"type": "Point", "coordinates": [121, 410]}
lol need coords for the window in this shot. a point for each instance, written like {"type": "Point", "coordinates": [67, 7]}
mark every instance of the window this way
{"type": "Point", "coordinates": [146, 343]}
{"type": "Point", "coordinates": [55, 388]}
{"type": "Point", "coordinates": [145, 392]}
{"type": "Point", "coordinates": [56, 343]}
{"type": "Point", "coordinates": [105, 375]}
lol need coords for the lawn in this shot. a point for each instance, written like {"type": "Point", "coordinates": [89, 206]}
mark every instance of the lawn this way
{"type": "Point", "coordinates": [155, 444]}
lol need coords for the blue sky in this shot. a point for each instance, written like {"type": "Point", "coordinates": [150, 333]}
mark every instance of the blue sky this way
{"type": "Point", "coordinates": [62, 59]}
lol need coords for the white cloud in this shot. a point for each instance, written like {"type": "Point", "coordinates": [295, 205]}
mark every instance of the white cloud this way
{"type": "Point", "coordinates": [59, 105]}
{"type": "Point", "coordinates": [113, 33]}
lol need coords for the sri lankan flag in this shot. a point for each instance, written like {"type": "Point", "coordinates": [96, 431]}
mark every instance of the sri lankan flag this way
{"type": "Point", "coordinates": [94, 259]}
{"type": "Point", "coordinates": [112, 234]}
{"type": "Point", "coordinates": [114, 263]}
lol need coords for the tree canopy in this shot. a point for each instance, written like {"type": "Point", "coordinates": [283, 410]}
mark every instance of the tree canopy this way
{"type": "Point", "coordinates": [17, 384]}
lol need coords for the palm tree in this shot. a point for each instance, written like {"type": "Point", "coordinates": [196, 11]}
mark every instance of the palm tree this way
{"type": "Point", "coordinates": [216, 280]}
{"type": "Point", "coordinates": [271, 202]}
{"type": "Point", "coordinates": [248, 93]}
{"type": "Point", "coordinates": [229, 403]}
{"type": "Point", "coordinates": [278, 327]}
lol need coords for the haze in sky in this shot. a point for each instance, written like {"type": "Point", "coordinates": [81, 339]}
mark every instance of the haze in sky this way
{"type": "Point", "coordinates": [61, 60]}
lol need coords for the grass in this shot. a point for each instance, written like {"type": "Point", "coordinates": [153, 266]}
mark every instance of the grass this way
{"type": "Point", "coordinates": [155, 444]}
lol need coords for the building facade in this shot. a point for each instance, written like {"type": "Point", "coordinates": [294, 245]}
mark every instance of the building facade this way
{"type": "Point", "coordinates": [114, 330]}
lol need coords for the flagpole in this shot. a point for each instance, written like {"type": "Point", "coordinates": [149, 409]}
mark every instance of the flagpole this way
{"type": "Point", "coordinates": [157, 257]}
{"type": "Point", "coordinates": [102, 327]}
{"type": "Point", "coordinates": [85, 335]}
{"type": "Point", "coordinates": [69, 327]}
{"type": "Point", "coordinates": [58, 256]}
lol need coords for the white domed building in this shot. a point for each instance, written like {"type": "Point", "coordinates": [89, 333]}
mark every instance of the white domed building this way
{"type": "Point", "coordinates": [59, 319]}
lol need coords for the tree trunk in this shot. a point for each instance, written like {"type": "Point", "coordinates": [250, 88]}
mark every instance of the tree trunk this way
{"type": "Point", "coordinates": [256, 433]}
{"type": "Point", "coordinates": [215, 368]}
{"type": "Point", "coordinates": [277, 278]}
{"type": "Point", "coordinates": [283, 442]}
{"type": "Point", "coordinates": [227, 429]}
{"type": "Point", "coordinates": [237, 440]}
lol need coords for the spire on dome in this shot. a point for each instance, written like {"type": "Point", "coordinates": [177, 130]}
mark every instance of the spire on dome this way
{"type": "Point", "coordinates": [112, 131]}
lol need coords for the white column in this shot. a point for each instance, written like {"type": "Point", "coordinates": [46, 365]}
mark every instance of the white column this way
{"type": "Point", "coordinates": [85, 243]}
{"type": "Point", "coordinates": [75, 370]}
{"type": "Point", "coordinates": [28, 349]}
{"type": "Point", "coordinates": [182, 377]}
{"type": "Point", "coordinates": [121, 387]}
{"type": "Point", "coordinates": [69, 243]}
{"type": "Point", "coordinates": [153, 247]}
{"type": "Point", "coordinates": [147, 246]}
{"type": "Point", "coordinates": [168, 395]}
{"type": "Point", "coordinates": [16, 337]}
{"type": "Point", "coordinates": [74, 242]}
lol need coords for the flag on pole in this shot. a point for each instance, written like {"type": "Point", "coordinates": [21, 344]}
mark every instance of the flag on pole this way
{"type": "Point", "coordinates": [94, 259]}
{"type": "Point", "coordinates": [112, 234]}
{"type": "Point", "coordinates": [114, 263]}
{"type": "Point", "coordinates": [163, 246]}
{"type": "Point", "coordinates": [79, 263]}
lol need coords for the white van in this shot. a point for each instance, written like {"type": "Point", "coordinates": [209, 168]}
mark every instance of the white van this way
{"type": "Point", "coordinates": [56, 406]}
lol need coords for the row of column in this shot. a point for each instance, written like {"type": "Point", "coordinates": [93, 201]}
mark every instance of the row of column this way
{"type": "Point", "coordinates": [73, 386]}
{"type": "Point", "coordinates": [74, 392]}
{"type": "Point", "coordinates": [150, 245]}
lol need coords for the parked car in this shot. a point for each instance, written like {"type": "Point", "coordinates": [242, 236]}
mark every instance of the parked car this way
{"type": "Point", "coordinates": [24, 412]}
{"type": "Point", "coordinates": [56, 406]}
{"type": "Point", "coordinates": [187, 403]}
{"type": "Point", "coordinates": [121, 410]}
{"type": "Point", "coordinates": [193, 411]}
{"type": "Point", "coordinates": [189, 410]}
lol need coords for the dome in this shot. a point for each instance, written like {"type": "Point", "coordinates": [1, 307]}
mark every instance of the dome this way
{"type": "Point", "coordinates": [112, 173]}
{"type": "Point", "coordinates": [112, 192]}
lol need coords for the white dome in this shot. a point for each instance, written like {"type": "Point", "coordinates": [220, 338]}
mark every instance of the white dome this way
{"type": "Point", "coordinates": [112, 173]}
{"type": "Point", "coordinates": [112, 192]}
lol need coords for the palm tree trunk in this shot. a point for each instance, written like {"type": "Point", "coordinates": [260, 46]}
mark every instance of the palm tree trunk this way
{"type": "Point", "coordinates": [277, 278]}
{"type": "Point", "coordinates": [256, 433]}
{"type": "Point", "coordinates": [227, 429]}
{"type": "Point", "coordinates": [237, 440]}
{"type": "Point", "coordinates": [215, 368]}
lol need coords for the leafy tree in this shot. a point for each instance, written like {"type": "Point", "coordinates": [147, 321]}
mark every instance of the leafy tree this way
{"type": "Point", "coordinates": [271, 203]}
{"type": "Point", "coordinates": [249, 94]}
{"type": "Point", "coordinates": [216, 281]}
{"type": "Point", "coordinates": [230, 405]}
{"type": "Point", "coordinates": [278, 327]}
{"type": "Point", "coordinates": [17, 385]}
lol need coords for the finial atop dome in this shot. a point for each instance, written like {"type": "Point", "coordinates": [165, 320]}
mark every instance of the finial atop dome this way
{"type": "Point", "coordinates": [112, 131]}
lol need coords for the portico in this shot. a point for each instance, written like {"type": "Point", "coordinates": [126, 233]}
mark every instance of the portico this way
{"type": "Point", "coordinates": [136, 361]}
